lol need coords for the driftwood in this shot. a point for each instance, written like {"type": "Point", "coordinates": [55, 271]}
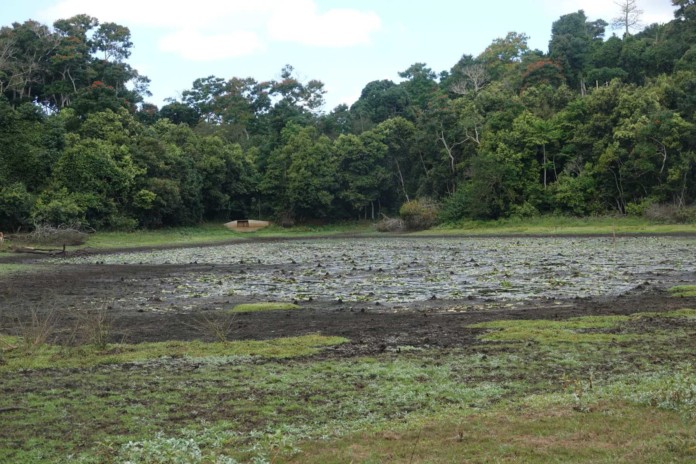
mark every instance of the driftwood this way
{"type": "Point", "coordinates": [40, 251]}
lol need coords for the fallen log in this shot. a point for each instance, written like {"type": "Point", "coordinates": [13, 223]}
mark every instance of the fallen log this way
{"type": "Point", "coordinates": [39, 251]}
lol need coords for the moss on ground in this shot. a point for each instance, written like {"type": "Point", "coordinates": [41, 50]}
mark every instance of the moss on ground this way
{"type": "Point", "coordinates": [18, 356]}
{"type": "Point", "coordinates": [683, 291]}
{"type": "Point", "coordinates": [267, 306]}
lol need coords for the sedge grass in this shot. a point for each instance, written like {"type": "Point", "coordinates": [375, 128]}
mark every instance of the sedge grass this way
{"type": "Point", "coordinates": [265, 306]}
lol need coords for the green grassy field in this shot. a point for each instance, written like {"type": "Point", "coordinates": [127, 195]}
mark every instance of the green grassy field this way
{"type": "Point", "coordinates": [559, 225]}
{"type": "Point", "coordinates": [590, 389]}
{"type": "Point", "coordinates": [211, 233]}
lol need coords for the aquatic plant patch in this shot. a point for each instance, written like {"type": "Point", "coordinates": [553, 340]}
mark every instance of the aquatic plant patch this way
{"type": "Point", "coordinates": [398, 270]}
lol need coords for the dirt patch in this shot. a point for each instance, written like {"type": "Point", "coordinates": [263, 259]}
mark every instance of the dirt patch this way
{"type": "Point", "coordinates": [141, 307]}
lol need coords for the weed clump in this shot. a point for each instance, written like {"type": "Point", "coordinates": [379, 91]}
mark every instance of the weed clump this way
{"type": "Point", "coordinates": [267, 306]}
{"type": "Point", "coordinates": [37, 331]}
{"type": "Point", "coordinates": [388, 224]}
{"type": "Point", "coordinates": [683, 291]}
{"type": "Point", "coordinates": [419, 214]}
{"type": "Point", "coordinates": [218, 328]}
{"type": "Point", "coordinates": [670, 214]}
{"type": "Point", "coordinates": [64, 234]}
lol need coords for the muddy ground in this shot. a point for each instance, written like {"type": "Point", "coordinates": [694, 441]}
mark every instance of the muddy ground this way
{"type": "Point", "coordinates": [130, 297]}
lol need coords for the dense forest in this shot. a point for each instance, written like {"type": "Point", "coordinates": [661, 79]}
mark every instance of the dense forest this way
{"type": "Point", "coordinates": [599, 124]}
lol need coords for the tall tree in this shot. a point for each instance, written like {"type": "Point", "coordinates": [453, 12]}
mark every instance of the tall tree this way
{"type": "Point", "coordinates": [361, 172]}
{"type": "Point", "coordinates": [503, 54]}
{"type": "Point", "coordinates": [112, 41]}
{"type": "Point", "coordinates": [420, 84]}
{"type": "Point", "coordinates": [573, 40]}
{"type": "Point", "coordinates": [379, 101]}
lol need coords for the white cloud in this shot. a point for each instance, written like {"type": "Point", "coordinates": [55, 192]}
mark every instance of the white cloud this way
{"type": "Point", "coordinates": [194, 46]}
{"type": "Point", "coordinates": [174, 14]}
{"type": "Point", "coordinates": [300, 21]}
{"type": "Point", "coordinates": [215, 29]}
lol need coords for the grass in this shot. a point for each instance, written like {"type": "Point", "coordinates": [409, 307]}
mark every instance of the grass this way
{"type": "Point", "coordinates": [6, 268]}
{"type": "Point", "coordinates": [543, 225]}
{"type": "Point", "coordinates": [267, 306]}
{"type": "Point", "coordinates": [683, 291]}
{"type": "Point", "coordinates": [325, 230]}
{"type": "Point", "coordinates": [204, 233]}
{"type": "Point", "coordinates": [559, 225]}
{"type": "Point", "coordinates": [213, 232]}
{"type": "Point", "coordinates": [517, 432]}
{"type": "Point", "coordinates": [588, 329]}
{"type": "Point", "coordinates": [52, 356]}
{"type": "Point", "coordinates": [208, 233]}
{"type": "Point", "coordinates": [601, 411]}
{"type": "Point", "coordinates": [555, 399]}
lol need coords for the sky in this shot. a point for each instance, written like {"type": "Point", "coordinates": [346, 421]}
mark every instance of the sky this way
{"type": "Point", "coordinates": [343, 43]}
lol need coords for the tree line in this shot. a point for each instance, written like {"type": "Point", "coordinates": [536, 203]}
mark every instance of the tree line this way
{"type": "Point", "coordinates": [595, 125]}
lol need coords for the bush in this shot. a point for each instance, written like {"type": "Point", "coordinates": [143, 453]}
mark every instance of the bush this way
{"type": "Point", "coordinates": [46, 234]}
{"type": "Point", "coordinates": [640, 208]}
{"type": "Point", "coordinates": [122, 223]}
{"type": "Point", "coordinates": [670, 213]}
{"type": "Point", "coordinates": [15, 206]}
{"type": "Point", "coordinates": [576, 196]}
{"type": "Point", "coordinates": [525, 210]}
{"type": "Point", "coordinates": [419, 214]}
{"type": "Point", "coordinates": [390, 225]}
{"type": "Point", "coordinates": [455, 208]}
{"type": "Point", "coordinates": [58, 208]}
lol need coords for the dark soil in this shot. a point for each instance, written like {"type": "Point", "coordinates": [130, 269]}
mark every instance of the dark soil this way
{"type": "Point", "coordinates": [130, 297]}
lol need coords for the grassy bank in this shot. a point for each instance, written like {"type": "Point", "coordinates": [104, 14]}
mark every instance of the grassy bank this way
{"type": "Point", "coordinates": [202, 234]}
{"type": "Point", "coordinates": [216, 232]}
{"type": "Point", "coordinates": [552, 225]}
{"type": "Point", "coordinates": [560, 225]}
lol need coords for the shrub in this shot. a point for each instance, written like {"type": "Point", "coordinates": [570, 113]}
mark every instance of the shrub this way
{"type": "Point", "coordinates": [60, 207]}
{"type": "Point", "coordinates": [455, 207]}
{"type": "Point", "coordinates": [670, 213]}
{"type": "Point", "coordinates": [122, 222]}
{"type": "Point", "coordinates": [64, 234]}
{"type": "Point", "coordinates": [525, 210]}
{"type": "Point", "coordinates": [15, 205]}
{"type": "Point", "coordinates": [576, 196]}
{"type": "Point", "coordinates": [390, 225]}
{"type": "Point", "coordinates": [638, 209]}
{"type": "Point", "coordinates": [419, 214]}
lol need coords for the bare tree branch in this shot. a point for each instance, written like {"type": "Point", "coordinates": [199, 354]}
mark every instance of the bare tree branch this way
{"type": "Point", "coordinates": [629, 17]}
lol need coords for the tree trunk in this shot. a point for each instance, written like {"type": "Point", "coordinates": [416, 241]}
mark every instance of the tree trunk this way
{"type": "Point", "coordinates": [543, 149]}
{"type": "Point", "coordinates": [401, 178]}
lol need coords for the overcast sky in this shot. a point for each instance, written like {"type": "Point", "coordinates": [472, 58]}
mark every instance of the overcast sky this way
{"type": "Point", "coordinates": [343, 43]}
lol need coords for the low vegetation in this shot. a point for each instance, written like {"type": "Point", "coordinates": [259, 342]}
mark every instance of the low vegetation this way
{"type": "Point", "coordinates": [267, 306]}
{"type": "Point", "coordinates": [526, 395]}
{"type": "Point", "coordinates": [37, 353]}
{"type": "Point", "coordinates": [563, 225]}
{"type": "Point", "coordinates": [683, 291]}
